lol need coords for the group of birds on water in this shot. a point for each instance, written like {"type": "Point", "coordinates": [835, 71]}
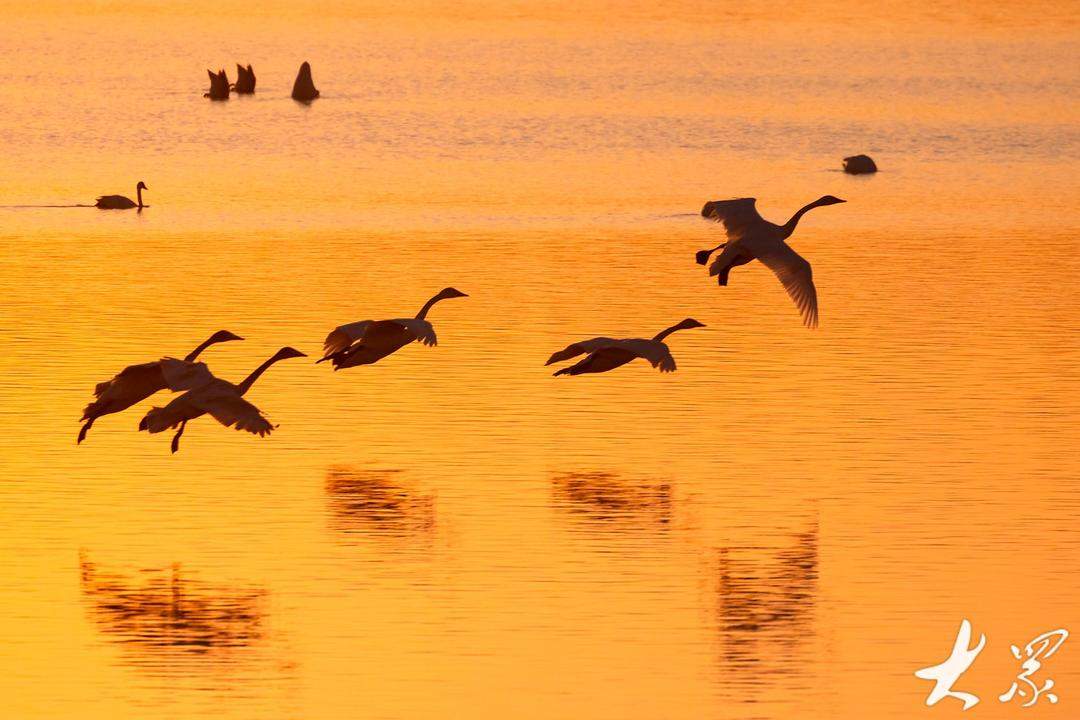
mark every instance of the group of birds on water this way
{"type": "Point", "coordinates": [749, 237]}
{"type": "Point", "coordinates": [220, 87]}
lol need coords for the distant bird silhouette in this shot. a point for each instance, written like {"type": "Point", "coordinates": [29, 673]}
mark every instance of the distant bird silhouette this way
{"type": "Point", "coordinates": [607, 353]}
{"type": "Point", "coordinates": [304, 87]}
{"type": "Point", "coordinates": [135, 383]}
{"type": "Point", "coordinates": [368, 341]}
{"type": "Point", "coordinates": [245, 80]}
{"type": "Point", "coordinates": [859, 165]}
{"type": "Point", "coordinates": [219, 86]}
{"type": "Point", "coordinates": [119, 202]}
{"type": "Point", "coordinates": [221, 399]}
{"type": "Point", "coordinates": [751, 237]}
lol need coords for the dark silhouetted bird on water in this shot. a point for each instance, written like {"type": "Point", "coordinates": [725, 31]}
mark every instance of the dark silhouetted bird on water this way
{"type": "Point", "coordinates": [607, 353]}
{"type": "Point", "coordinates": [751, 237]}
{"type": "Point", "coordinates": [304, 87]}
{"type": "Point", "coordinates": [859, 165]}
{"type": "Point", "coordinates": [245, 80]}
{"type": "Point", "coordinates": [219, 86]}
{"type": "Point", "coordinates": [120, 202]}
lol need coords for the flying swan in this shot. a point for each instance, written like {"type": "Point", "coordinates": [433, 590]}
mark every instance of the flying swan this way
{"type": "Point", "coordinates": [368, 341]}
{"type": "Point", "coordinates": [607, 354]}
{"type": "Point", "coordinates": [752, 237]}
{"type": "Point", "coordinates": [221, 399]}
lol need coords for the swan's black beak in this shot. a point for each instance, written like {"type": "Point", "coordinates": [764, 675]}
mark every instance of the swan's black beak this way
{"type": "Point", "coordinates": [702, 256]}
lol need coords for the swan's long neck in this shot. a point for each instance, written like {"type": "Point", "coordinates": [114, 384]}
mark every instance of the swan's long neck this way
{"type": "Point", "coordinates": [427, 306]}
{"type": "Point", "coordinates": [202, 346]}
{"type": "Point", "coordinates": [250, 379]}
{"type": "Point", "coordinates": [664, 333]}
{"type": "Point", "coordinates": [789, 227]}
{"type": "Point", "coordinates": [138, 192]}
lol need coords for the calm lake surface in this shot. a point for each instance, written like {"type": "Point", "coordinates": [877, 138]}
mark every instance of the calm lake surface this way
{"type": "Point", "coordinates": [787, 527]}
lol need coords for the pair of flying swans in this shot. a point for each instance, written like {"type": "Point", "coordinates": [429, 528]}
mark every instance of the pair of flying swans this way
{"type": "Point", "coordinates": [202, 393]}
{"type": "Point", "coordinates": [750, 237]}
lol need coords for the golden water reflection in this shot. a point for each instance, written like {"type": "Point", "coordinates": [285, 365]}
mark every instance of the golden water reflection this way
{"type": "Point", "coordinates": [155, 613]}
{"type": "Point", "coordinates": [766, 600]}
{"type": "Point", "coordinates": [365, 503]}
{"type": "Point", "coordinates": [599, 499]}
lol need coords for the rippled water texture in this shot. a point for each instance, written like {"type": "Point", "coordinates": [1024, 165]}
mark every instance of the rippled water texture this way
{"type": "Point", "coordinates": [787, 527]}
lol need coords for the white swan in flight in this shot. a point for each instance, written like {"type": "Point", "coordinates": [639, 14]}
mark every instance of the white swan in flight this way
{"type": "Point", "coordinates": [119, 202]}
{"type": "Point", "coordinates": [135, 383]}
{"type": "Point", "coordinates": [221, 399]}
{"type": "Point", "coordinates": [752, 237]}
{"type": "Point", "coordinates": [368, 341]}
{"type": "Point", "coordinates": [607, 353]}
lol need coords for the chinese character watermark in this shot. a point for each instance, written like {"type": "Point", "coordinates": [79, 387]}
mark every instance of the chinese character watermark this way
{"type": "Point", "coordinates": [1041, 647]}
{"type": "Point", "coordinates": [946, 673]}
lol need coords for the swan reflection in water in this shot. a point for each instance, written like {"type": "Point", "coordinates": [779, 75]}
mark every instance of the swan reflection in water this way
{"type": "Point", "coordinates": [366, 502]}
{"type": "Point", "coordinates": [766, 597]}
{"type": "Point", "coordinates": [163, 611]}
{"type": "Point", "coordinates": [607, 499]}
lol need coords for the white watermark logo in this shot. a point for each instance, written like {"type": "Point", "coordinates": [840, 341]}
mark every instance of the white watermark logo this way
{"type": "Point", "coordinates": [947, 673]}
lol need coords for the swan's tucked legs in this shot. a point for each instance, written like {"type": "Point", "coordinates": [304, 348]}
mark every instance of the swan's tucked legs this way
{"type": "Point", "coordinates": [85, 429]}
{"type": "Point", "coordinates": [176, 437]}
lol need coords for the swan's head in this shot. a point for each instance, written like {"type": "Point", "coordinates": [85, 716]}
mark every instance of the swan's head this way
{"type": "Point", "coordinates": [141, 186]}
{"type": "Point", "coordinates": [829, 200]}
{"type": "Point", "coordinates": [224, 336]}
{"type": "Point", "coordinates": [451, 293]}
{"type": "Point", "coordinates": [689, 323]}
{"type": "Point", "coordinates": [287, 352]}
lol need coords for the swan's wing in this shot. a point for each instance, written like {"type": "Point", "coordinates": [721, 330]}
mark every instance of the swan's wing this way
{"type": "Point", "coordinates": [183, 375]}
{"type": "Point", "coordinates": [657, 353]}
{"type": "Point", "coordinates": [737, 216]}
{"type": "Point", "coordinates": [343, 336]}
{"type": "Point", "coordinates": [797, 278]}
{"type": "Point", "coordinates": [142, 380]}
{"type": "Point", "coordinates": [420, 329]}
{"type": "Point", "coordinates": [230, 410]}
{"type": "Point", "coordinates": [580, 348]}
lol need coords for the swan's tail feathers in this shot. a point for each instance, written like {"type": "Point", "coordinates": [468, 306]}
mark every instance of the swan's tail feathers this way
{"type": "Point", "coordinates": [94, 410]}
{"type": "Point", "coordinates": [85, 429]}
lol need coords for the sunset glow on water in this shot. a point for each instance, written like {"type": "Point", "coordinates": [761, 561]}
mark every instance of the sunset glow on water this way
{"type": "Point", "coordinates": [787, 527]}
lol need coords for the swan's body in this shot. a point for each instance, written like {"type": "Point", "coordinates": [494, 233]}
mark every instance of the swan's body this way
{"type": "Point", "coordinates": [221, 399]}
{"type": "Point", "coordinates": [219, 86]}
{"type": "Point", "coordinates": [135, 383]}
{"type": "Point", "coordinates": [368, 341]}
{"type": "Point", "coordinates": [859, 165]}
{"type": "Point", "coordinates": [120, 202]}
{"type": "Point", "coordinates": [751, 237]}
{"type": "Point", "coordinates": [245, 80]}
{"type": "Point", "coordinates": [304, 87]}
{"type": "Point", "coordinates": [608, 353]}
